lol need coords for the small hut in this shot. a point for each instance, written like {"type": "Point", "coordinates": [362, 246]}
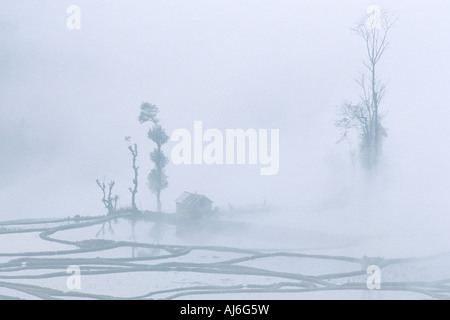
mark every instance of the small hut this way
{"type": "Point", "coordinates": [193, 204]}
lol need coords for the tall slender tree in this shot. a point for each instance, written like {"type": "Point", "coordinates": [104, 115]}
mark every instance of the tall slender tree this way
{"type": "Point", "coordinates": [366, 116]}
{"type": "Point", "coordinates": [157, 178]}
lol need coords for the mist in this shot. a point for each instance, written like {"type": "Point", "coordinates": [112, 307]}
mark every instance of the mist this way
{"type": "Point", "coordinates": [69, 98]}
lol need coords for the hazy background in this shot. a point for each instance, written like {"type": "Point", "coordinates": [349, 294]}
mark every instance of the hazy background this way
{"type": "Point", "coordinates": [69, 97]}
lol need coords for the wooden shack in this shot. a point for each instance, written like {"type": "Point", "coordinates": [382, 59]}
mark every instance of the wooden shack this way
{"type": "Point", "coordinates": [193, 203]}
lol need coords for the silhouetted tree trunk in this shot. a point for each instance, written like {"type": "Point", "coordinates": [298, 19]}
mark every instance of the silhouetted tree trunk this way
{"type": "Point", "coordinates": [134, 190]}
{"type": "Point", "coordinates": [158, 200]}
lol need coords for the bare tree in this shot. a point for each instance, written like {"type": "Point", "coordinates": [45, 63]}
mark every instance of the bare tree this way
{"type": "Point", "coordinates": [134, 153]}
{"type": "Point", "coordinates": [366, 116]}
{"type": "Point", "coordinates": [108, 199]}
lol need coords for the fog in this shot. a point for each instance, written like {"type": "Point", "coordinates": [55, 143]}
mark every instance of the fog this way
{"type": "Point", "coordinates": [69, 97]}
